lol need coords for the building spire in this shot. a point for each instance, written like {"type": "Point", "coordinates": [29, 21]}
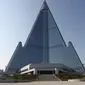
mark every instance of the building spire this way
{"type": "Point", "coordinates": [44, 6]}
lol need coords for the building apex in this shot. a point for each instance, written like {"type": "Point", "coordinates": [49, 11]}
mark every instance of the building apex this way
{"type": "Point", "coordinates": [45, 6]}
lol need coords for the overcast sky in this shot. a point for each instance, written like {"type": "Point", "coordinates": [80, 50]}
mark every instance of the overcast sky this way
{"type": "Point", "coordinates": [17, 18]}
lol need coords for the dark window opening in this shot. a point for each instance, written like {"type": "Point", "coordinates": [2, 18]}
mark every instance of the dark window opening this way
{"type": "Point", "coordinates": [46, 72]}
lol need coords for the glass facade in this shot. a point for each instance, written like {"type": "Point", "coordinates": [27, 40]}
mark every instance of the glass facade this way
{"type": "Point", "coordinates": [45, 44]}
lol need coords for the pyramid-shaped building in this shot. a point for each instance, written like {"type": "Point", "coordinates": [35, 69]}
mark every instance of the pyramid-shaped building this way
{"type": "Point", "coordinates": [45, 44]}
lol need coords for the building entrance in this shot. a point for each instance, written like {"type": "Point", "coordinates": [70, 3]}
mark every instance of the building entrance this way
{"type": "Point", "coordinates": [46, 72]}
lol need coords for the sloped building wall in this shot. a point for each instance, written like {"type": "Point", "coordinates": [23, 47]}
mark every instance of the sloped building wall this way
{"type": "Point", "coordinates": [73, 59]}
{"type": "Point", "coordinates": [16, 59]}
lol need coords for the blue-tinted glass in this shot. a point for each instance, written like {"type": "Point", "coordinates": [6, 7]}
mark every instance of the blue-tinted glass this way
{"type": "Point", "coordinates": [34, 47]}
{"type": "Point", "coordinates": [45, 44]}
{"type": "Point", "coordinates": [55, 37]}
{"type": "Point", "coordinates": [17, 59]}
{"type": "Point", "coordinates": [73, 58]}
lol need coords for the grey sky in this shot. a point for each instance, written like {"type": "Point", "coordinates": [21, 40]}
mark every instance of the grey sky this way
{"type": "Point", "coordinates": [17, 18]}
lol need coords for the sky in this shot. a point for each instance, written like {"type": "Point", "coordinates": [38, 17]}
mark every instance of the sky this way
{"type": "Point", "coordinates": [17, 18]}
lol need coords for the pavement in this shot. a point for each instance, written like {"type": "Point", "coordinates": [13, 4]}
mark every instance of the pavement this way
{"type": "Point", "coordinates": [47, 83]}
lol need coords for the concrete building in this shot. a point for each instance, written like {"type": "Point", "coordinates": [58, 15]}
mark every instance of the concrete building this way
{"type": "Point", "coordinates": [45, 46]}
